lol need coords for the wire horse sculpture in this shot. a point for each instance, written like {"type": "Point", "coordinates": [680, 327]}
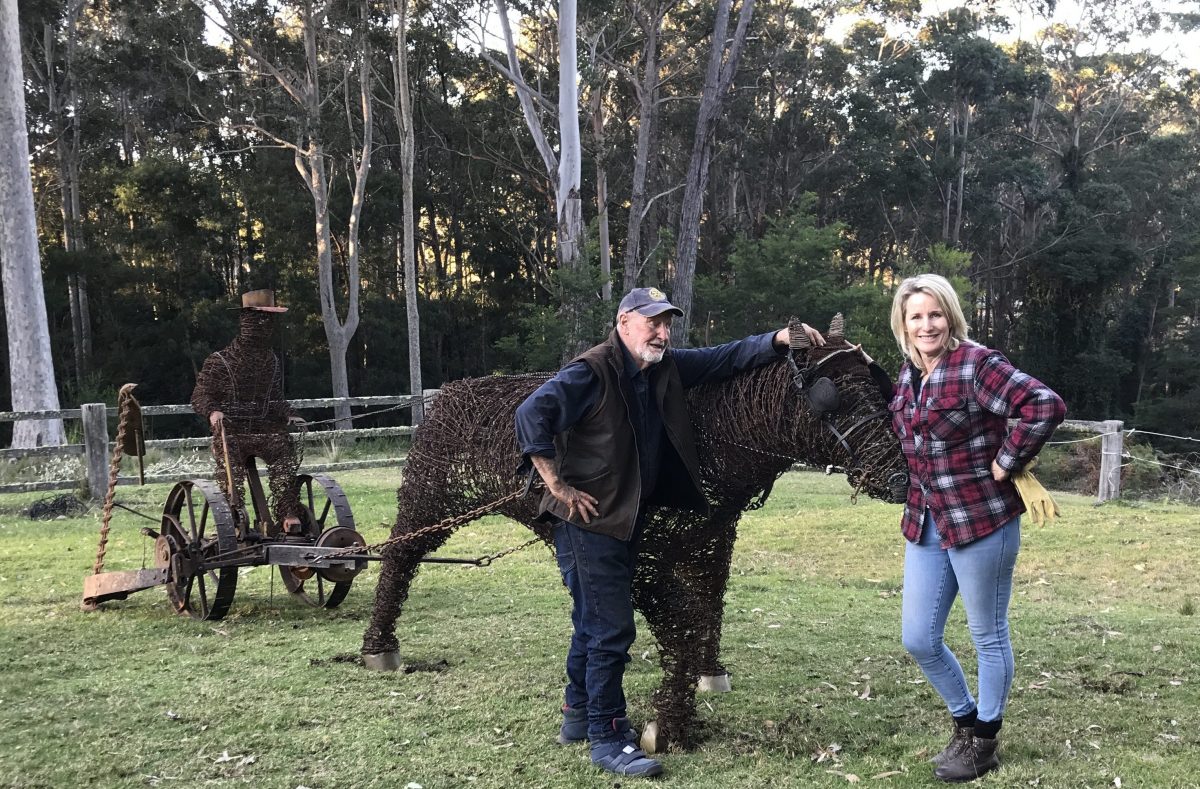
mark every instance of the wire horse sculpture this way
{"type": "Point", "coordinates": [818, 405]}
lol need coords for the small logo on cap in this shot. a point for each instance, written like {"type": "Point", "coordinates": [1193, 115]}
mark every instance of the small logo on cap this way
{"type": "Point", "coordinates": [656, 294]}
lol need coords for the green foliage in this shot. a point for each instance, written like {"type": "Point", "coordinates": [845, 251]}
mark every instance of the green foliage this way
{"type": "Point", "coordinates": [837, 167]}
{"type": "Point", "coordinates": [788, 272]}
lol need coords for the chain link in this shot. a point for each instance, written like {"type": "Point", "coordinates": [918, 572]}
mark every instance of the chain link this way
{"type": "Point", "coordinates": [444, 525]}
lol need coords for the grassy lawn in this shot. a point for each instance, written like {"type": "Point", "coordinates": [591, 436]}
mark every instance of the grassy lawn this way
{"type": "Point", "coordinates": [1107, 691]}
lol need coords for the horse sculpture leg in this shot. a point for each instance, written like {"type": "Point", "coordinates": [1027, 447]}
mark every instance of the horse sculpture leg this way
{"type": "Point", "coordinates": [681, 593]}
{"type": "Point", "coordinates": [381, 649]}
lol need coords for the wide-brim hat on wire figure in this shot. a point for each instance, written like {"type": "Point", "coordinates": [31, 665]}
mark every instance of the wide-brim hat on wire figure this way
{"type": "Point", "coordinates": [261, 300]}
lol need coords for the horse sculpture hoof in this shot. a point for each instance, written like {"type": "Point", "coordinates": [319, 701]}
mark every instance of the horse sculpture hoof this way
{"type": "Point", "coordinates": [714, 683]}
{"type": "Point", "coordinates": [650, 740]}
{"type": "Point", "coordinates": [382, 661]}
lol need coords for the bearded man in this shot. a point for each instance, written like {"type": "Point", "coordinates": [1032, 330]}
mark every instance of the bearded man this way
{"type": "Point", "coordinates": [610, 437]}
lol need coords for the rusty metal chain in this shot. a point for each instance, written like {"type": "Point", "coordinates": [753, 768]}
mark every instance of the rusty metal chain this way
{"type": "Point", "coordinates": [484, 561]}
{"type": "Point", "coordinates": [447, 524]}
{"type": "Point", "coordinates": [114, 468]}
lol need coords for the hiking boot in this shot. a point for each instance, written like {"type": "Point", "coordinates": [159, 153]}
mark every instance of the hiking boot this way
{"type": "Point", "coordinates": [959, 739]}
{"type": "Point", "coordinates": [970, 761]}
{"type": "Point", "coordinates": [574, 725]}
{"type": "Point", "coordinates": [621, 754]}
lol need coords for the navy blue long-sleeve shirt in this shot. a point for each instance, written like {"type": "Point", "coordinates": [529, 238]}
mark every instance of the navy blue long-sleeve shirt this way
{"type": "Point", "coordinates": [565, 399]}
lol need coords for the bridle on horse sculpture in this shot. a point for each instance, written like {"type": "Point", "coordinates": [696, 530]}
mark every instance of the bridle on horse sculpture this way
{"type": "Point", "coordinates": [824, 399]}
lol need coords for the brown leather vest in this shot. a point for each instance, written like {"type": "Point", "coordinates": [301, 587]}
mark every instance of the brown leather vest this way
{"type": "Point", "coordinates": [599, 454]}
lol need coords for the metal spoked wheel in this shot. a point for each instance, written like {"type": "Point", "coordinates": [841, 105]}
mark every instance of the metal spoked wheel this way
{"type": "Point", "coordinates": [320, 498]}
{"type": "Point", "coordinates": [197, 526]}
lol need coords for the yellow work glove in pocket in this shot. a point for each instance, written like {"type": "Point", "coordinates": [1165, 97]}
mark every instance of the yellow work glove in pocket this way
{"type": "Point", "coordinates": [1038, 503]}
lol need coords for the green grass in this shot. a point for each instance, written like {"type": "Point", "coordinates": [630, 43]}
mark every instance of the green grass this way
{"type": "Point", "coordinates": [1107, 644]}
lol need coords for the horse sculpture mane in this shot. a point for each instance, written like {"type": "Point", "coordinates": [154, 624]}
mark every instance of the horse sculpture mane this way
{"type": "Point", "coordinates": [749, 429]}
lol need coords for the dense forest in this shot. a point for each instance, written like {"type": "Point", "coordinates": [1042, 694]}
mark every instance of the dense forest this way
{"type": "Point", "coordinates": [756, 160]}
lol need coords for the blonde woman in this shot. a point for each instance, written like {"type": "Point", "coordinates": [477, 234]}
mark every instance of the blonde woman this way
{"type": "Point", "coordinates": [962, 519]}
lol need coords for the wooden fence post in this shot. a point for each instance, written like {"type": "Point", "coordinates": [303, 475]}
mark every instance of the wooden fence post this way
{"type": "Point", "coordinates": [95, 448]}
{"type": "Point", "coordinates": [1112, 446]}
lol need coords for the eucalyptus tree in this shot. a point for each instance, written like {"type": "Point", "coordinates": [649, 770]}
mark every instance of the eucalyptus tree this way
{"type": "Point", "coordinates": [402, 110]}
{"type": "Point", "coordinates": [31, 368]}
{"type": "Point", "coordinates": [563, 169]}
{"type": "Point", "coordinates": [724, 55]}
{"type": "Point", "coordinates": [52, 44]}
{"type": "Point", "coordinates": [306, 58]}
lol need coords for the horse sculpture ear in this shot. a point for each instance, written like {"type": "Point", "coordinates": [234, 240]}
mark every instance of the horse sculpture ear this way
{"type": "Point", "coordinates": [837, 327]}
{"type": "Point", "coordinates": [799, 337]}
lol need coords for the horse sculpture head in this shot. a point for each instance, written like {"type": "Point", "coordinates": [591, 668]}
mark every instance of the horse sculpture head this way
{"type": "Point", "coordinates": [844, 416]}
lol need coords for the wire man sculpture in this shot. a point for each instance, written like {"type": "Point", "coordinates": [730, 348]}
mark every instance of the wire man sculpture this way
{"type": "Point", "coordinates": [244, 382]}
{"type": "Point", "coordinates": [749, 429]}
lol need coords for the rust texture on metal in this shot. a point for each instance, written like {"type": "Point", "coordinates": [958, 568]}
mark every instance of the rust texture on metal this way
{"type": "Point", "coordinates": [119, 585]}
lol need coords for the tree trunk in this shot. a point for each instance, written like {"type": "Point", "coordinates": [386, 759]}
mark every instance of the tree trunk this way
{"type": "Point", "coordinates": [309, 157]}
{"type": "Point", "coordinates": [404, 122]}
{"type": "Point", "coordinates": [647, 92]}
{"type": "Point", "coordinates": [964, 125]}
{"type": "Point", "coordinates": [601, 194]}
{"type": "Point", "coordinates": [31, 369]}
{"type": "Point", "coordinates": [717, 79]}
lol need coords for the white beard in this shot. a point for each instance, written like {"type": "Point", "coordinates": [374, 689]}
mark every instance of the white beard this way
{"type": "Point", "coordinates": [651, 356]}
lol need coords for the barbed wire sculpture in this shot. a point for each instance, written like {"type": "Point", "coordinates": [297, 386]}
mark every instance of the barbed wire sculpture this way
{"type": "Point", "coordinates": [244, 381]}
{"type": "Point", "coordinates": [749, 430]}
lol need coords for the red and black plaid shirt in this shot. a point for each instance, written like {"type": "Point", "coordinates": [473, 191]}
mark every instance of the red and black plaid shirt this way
{"type": "Point", "coordinates": [953, 430]}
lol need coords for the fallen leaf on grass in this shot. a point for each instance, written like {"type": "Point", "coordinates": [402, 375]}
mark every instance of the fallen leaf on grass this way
{"type": "Point", "coordinates": [172, 715]}
{"type": "Point", "coordinates": [225, 757]}
{"type": "Point", "coordinates": [826, 754]}
{"type": "Point", "coordinates": [866, 694]}
{"type": "Point", "coordinates": [888, 774]}
{"type": "Point", "coordinates": [413, 785]}
{"type": "Point", "coordinates": [850, 777]}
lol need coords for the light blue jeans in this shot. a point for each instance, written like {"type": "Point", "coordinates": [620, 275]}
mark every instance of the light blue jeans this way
{"type": "Point", "coordinates": [981, 572]}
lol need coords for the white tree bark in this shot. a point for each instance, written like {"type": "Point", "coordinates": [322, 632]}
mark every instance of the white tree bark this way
{"type": "Point", "coordinates": [404, 122]}
{"type": "Point", "coordinates": [31, 369]}
{"type": "Point", "coordinates": [570, 160]}
{"type": "Point", "coordinates": [565, 170]}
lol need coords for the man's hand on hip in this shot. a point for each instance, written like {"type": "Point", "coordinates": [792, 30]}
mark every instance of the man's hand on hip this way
{"type": "Point", "coordinates": [576, 500]}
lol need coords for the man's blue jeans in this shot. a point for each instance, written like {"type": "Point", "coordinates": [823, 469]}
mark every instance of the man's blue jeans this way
{"type": "Point", "coordinates": [598, 571]}
{"type": "Point", "coordinates": [981, 572]}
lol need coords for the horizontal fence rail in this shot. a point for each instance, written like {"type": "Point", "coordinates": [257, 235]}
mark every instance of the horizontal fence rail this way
{"type": "Point", "coordinates": [97, 448]}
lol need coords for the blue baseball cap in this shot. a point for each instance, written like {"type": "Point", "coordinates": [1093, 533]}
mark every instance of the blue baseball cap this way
{"type": "Point", "coordinates": [647, 301]}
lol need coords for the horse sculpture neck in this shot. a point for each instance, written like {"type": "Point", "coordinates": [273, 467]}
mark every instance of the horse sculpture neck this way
{"type": "Point", "coordinates": [746, 429]}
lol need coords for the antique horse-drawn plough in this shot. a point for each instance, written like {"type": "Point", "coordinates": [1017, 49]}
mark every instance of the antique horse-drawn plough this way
{"type": "Point", "coordinates": [204, 538]}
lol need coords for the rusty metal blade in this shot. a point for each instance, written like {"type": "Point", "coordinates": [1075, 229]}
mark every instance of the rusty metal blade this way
{"type": "Point", "coordinates": [119, 585]}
